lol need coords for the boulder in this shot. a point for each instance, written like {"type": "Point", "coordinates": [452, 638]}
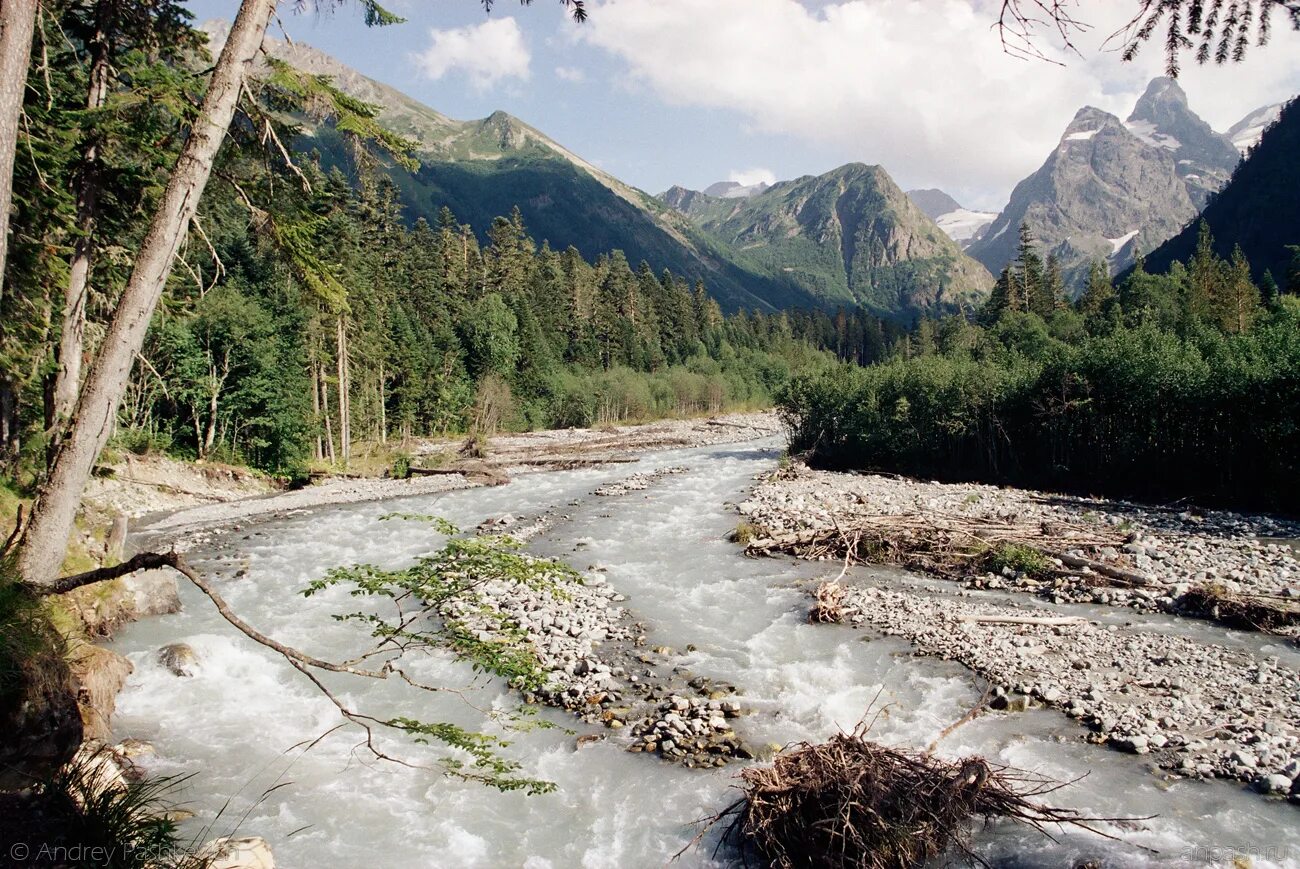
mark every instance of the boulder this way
{"type": "Point", "coordinates": [102, 607]}
{"type": "Point", "coordinates": [179, 658]}
{"type": "Point", "coordinates": [100, 674]}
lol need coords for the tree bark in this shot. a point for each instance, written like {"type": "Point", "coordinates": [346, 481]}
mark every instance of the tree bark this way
{"type": "Point", "coordinates": [9, 427]}
{"type": "Point", "coordinates": [55, 507]}
{"type": "Point", "coordinates": [383, 409]}
{"type": "Point", "coordinates": [345, 393]}
{"type": "Point", "coordinates": [318, 450]}
{"type": "Point", "coordinates": [17, 23]}
{"type": "Point", "coordinates": [67, 377]}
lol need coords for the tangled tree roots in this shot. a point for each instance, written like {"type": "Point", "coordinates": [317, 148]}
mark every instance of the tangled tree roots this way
{"type": "Point", "coordinates": [850, 802]}
{"type": "Point", "coordinates": [828, 603]}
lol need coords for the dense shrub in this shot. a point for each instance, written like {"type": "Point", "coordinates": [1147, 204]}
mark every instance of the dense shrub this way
{"type": "Point", "coordinates": [1137, 411]}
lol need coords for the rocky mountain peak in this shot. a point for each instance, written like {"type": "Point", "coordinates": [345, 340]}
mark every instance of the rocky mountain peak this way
{"type": "Point", "coordinates": [1087, 122]}
{"type": "Point", "coordinates": [934, 202]}
{"type": "Point", "coordinates": [1204, 159]}
{"type": "Point", "coordinates": [1162, 91]}
{"type": "Point", "coordinates": [735, 190]}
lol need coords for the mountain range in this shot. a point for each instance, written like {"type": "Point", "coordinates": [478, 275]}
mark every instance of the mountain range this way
{"type": "Point", "coordinates": [1112, 188]}
{"type": "Point", "coordinates": [849, 237]}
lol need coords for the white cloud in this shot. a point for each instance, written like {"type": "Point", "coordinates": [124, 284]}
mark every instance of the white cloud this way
{"type": "Point", "coordinates": [570, 74]}
{"type": "Point", "coordinates": [750, 177]}
{"type": "Point", "coordinates": [485, 53]}
{"type": "Point", "coordinates": [919, 86]}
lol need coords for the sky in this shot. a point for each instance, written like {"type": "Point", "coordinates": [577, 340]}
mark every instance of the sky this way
{"type": "Point", "coordinates": [663, 92]}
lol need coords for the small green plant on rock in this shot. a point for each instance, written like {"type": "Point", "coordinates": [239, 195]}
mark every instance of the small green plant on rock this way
{"type": "Point", "coordinates": [745, 534]}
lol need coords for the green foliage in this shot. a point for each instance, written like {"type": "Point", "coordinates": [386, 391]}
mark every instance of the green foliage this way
{"type": "Point", "coordinates": [487, 766]}
{"type": "Point", "coordinates": [83, 808]}
{"type": "Point", "coordinates": [142, 441]}
{"type": "Point", "coordinates": [401, 467]}
{"type": "Point", "coordinates": [454, 574]}
{"type": "Point", "coordinates": [1178, 385]}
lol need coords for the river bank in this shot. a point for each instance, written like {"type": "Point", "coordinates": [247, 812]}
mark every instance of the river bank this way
{"type": "Point", "coordinates": [506, 455]}
{"type": "Point", "coordinates": [1082, 632]}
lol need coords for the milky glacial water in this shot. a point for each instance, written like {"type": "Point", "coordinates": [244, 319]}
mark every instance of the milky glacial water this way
{"type": "Point", "coordinates": [240, 726]}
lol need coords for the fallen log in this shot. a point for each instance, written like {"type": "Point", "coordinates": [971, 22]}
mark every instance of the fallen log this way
{"type": "Point", "coordinates": [1121, 575]}
{"type": "Point", "coordinates": [566, 464]}
{"type": "Point", "coordinates": [1044, 621]}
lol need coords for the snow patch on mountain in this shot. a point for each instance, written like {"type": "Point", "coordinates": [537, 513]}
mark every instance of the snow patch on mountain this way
{"type": "Point", "coordinates": [1118, 244]}
{"type": "Point", "coordinates": [963, 225]}
{"type": "Point", "coordinates": [1147, 132]}
{"type": "Point", "coordinates": [1246, 132]}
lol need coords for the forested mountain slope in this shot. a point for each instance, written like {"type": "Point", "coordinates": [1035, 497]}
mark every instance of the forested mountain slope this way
{"type": "Point", "coordinates": [481, 169]}
{"type": "Point", "coordinates": [1258, 210]}
{"type": "Point", "coordinates": [850, 237]}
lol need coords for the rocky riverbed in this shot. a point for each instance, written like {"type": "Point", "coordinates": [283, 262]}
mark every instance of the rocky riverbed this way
{"type": "Point", "coordinates": [1155, 556]}
{"type": "Point", "coordinates": [594, 659]}
{"type": "Point", "coordinates": [1198, 707]}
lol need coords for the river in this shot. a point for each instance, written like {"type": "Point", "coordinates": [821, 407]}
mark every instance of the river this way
{"type": "Point", "coordinates": [239, 725]}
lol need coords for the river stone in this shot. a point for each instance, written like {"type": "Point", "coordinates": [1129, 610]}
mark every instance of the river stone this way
{"type": "Point", "coordinates": [250, 852]}
{"type": "Point", "coordinates": [1273, 784]}
{"type": "Point", "coordinates": [179, 658]}
{"type": "Point", "coordinates": [1132, 744]}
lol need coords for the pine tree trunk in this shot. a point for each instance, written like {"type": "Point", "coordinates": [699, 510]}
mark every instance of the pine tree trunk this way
{"type": "Point", "coordinates": [67, 377]}
{"type": "Point", "coordinates": [345, 392]}
{"type": "Point", "coordinates": [317, 451]}
{"type": "Point", "coordinates": [8, 420]}
{"type": "Point", "coordinates": [383, 411]}
{"type": "Point", "coordinates": [329, 425]}
{"type": "Point", "coordinates": [55, 508]}
{"type": "Point", "coordinates": [17, 23]}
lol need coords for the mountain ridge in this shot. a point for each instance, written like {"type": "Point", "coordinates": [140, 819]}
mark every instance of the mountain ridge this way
{"type": "Point", "coordinates": [1111, 188]}
{"type": "Point", "coordinates": [483, 168]}
{"type": "Point", "coordinates": [851, 232]}
{"type": "Point", "coordinates": [1259, 209]}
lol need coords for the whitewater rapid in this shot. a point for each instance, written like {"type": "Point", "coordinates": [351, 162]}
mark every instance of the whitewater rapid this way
{"type": "Point", "coordinates": [241, 725]}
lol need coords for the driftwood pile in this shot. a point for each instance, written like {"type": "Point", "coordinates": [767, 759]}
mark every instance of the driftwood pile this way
{"type": "Point", "coordinates": [851, 802]}
{"type": "Point", "coordinates": [955, 547]}
{"type": "Point", "coordinates": [828, 603]}
{"type": "Point", "coordinates": [945, 545]}
{"type": "Point", "coordinates": [1259, 612]}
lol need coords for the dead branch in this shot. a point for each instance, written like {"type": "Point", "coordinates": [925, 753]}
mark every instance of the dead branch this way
{"type": "Point", "coordinates": [1046, 621]}
{"type": "Point", "coordinates": [1118, 574]}
{"type": "Point", "coordinates": [15, 534]}
{"type": "Point", "coordinates": [141, 561]}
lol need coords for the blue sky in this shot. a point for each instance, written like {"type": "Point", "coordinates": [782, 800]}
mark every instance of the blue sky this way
{"type": "Point", "coordinates": [659, 92]}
